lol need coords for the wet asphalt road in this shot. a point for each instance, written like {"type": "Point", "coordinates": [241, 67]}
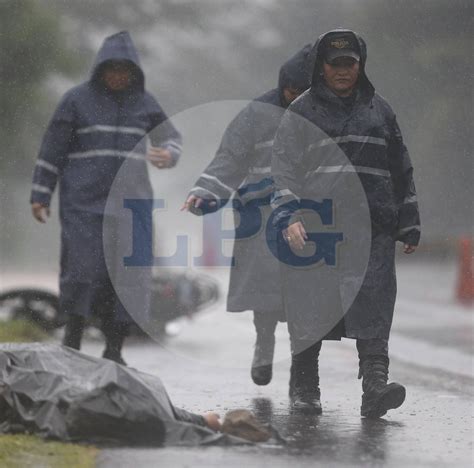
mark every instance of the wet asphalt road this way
{"type": "Point", "coordinates": [432, 428]}
{"type": "Point", "coordinates": [206, 367]}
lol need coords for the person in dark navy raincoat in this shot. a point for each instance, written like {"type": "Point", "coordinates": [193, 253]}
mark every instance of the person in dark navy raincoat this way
{"type": "Point", "coordinates": [241, 169]}
{"type": "Point", "coordinates": [343, 105]}
{"type": "Point", "coordinates": [96, 127]}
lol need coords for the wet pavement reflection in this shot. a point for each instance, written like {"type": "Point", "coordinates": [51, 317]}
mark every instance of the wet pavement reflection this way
{"type": "Point", "coordinates": [207, 367]}
{"type": "Point", "coordinates": [323, 436]}
{"type": "Point", "coordinates": [433, 428]}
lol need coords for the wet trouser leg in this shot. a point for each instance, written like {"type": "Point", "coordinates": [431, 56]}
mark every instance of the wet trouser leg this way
{"type": "Point", "coordinates": [372, 347]}
{"type": "Point", "coordinates": [115, 333]}
{"type": "Point", "coordinates": [304, 378]}
{"type": "Point", "coordinates": [378, 396]}
{"type": "Point", "coordinates": [73, 331]}
{"type": "Point", "coordinates": [265, 324]}
{"type": "Point", "coordinates": [372, 350]}
{"type": "Point", "coordinates": [304, 372]}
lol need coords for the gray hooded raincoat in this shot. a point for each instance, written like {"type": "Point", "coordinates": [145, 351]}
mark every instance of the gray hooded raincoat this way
{"type": "Point", "coordinates": [241, 171]}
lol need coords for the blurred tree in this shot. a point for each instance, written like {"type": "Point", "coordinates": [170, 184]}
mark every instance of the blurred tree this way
{"type": "Point", "coordinates": [199, 51]}
{"type": "Point", "coordinates": [420, 57]}
{"type": "Point", "coordinates": [206, 50]}
{"type": "Point", "coordinates": [32, 50]}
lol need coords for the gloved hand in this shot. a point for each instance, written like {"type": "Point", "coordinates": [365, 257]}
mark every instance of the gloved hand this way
{"type": "Point", "coordinates": [199, 206]}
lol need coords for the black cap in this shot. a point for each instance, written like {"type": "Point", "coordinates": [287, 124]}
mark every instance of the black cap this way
{"type": "Point", "coordinates": [342, 44]}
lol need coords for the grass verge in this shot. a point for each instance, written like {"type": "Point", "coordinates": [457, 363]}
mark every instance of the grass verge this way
{"type": "Point", "coordinates": [19, 331]}
{"type": "Point", "coordinates": [22, 451]}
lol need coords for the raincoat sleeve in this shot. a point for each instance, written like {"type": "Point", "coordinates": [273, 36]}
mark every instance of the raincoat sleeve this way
{"type": "Point", "coordinates": [162, 132]}
{"type": "Point", "coordinates": [53, 152]}
{"type": "Point", "coordinates": [230, 165]}
{"type": "Point", "coordinates": [401, 171]}
{"type": "Point", "coordinates": [185, 416]}
{"type": "Point", "coordinates": [287, 156]}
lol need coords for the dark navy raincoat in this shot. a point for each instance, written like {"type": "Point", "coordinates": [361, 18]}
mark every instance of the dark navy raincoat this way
{"type": "Point", "coordinates": [305, 160]}
{"type": "Point", "coordinates": [92, 133]}
{"type": "Point", "coordinates": [241, 169]}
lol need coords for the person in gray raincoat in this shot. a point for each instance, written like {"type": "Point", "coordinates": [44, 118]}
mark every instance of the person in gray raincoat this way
{"type": "Point", "coordinates": [346, 115]}
{"type": "Point", "coordinates": [96, 127]}
{"type": "Point", "coordinates": [241, 169]}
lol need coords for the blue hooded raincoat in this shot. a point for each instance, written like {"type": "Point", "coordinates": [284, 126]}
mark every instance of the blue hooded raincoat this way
{"type": "Point", "coordinates": [91, 134]}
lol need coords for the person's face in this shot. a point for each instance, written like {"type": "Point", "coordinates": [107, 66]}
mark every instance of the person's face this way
{"type": "Point", "coordinates": [341, 75]}
{"type": "Point", "coordinates": [290, 94]}
{"type": "Point", "coordinates": [117, 76]}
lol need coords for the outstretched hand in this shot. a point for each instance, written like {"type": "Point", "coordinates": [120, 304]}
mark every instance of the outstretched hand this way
{"type": "Point", "coordinates": [194, 202]}
{"type": "Point", "coordinates": [408, 249]}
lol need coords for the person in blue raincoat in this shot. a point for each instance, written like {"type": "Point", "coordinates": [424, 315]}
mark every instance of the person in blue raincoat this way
{"type": "Point", "coordinates": [96, 127]}
{"type": "Point", "coordinates": [342, 113]}
{"type": "Point", "coordinates": [241, 170]}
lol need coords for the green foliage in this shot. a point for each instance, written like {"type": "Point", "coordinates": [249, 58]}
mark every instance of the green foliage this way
{"type": "Point", "coordinates": [19, 331]}
{"type": "Point", "coordinates": [32, 49]}
{"type": "Point", "coordinates": [420, 59]}
{"type": "Point", "coordinates": [18, 451]}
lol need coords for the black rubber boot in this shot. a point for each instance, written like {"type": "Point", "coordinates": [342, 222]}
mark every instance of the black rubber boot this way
{"type": "Point", "coordinates": [378, 396]}
{"type": "Point", "coordinates": [262, 363]}
{"type": "Point", "coordinates": [114, 337]}
{"type": "Point", "coordinates": [304, 389]}
{"type": "Point", "coordinates": [73, 331]}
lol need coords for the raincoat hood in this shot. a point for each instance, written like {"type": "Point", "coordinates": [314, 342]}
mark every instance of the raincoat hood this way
{"type": "Point", "coordinates": [119, 47]}
{"type": "Point", "coordinates": [364, 84]}
{"type": "Point", "coordinates": [295, 72]}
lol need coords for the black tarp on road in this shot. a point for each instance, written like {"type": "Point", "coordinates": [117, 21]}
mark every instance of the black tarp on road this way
{"type": "Point", "coordinates": [60, 393]}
